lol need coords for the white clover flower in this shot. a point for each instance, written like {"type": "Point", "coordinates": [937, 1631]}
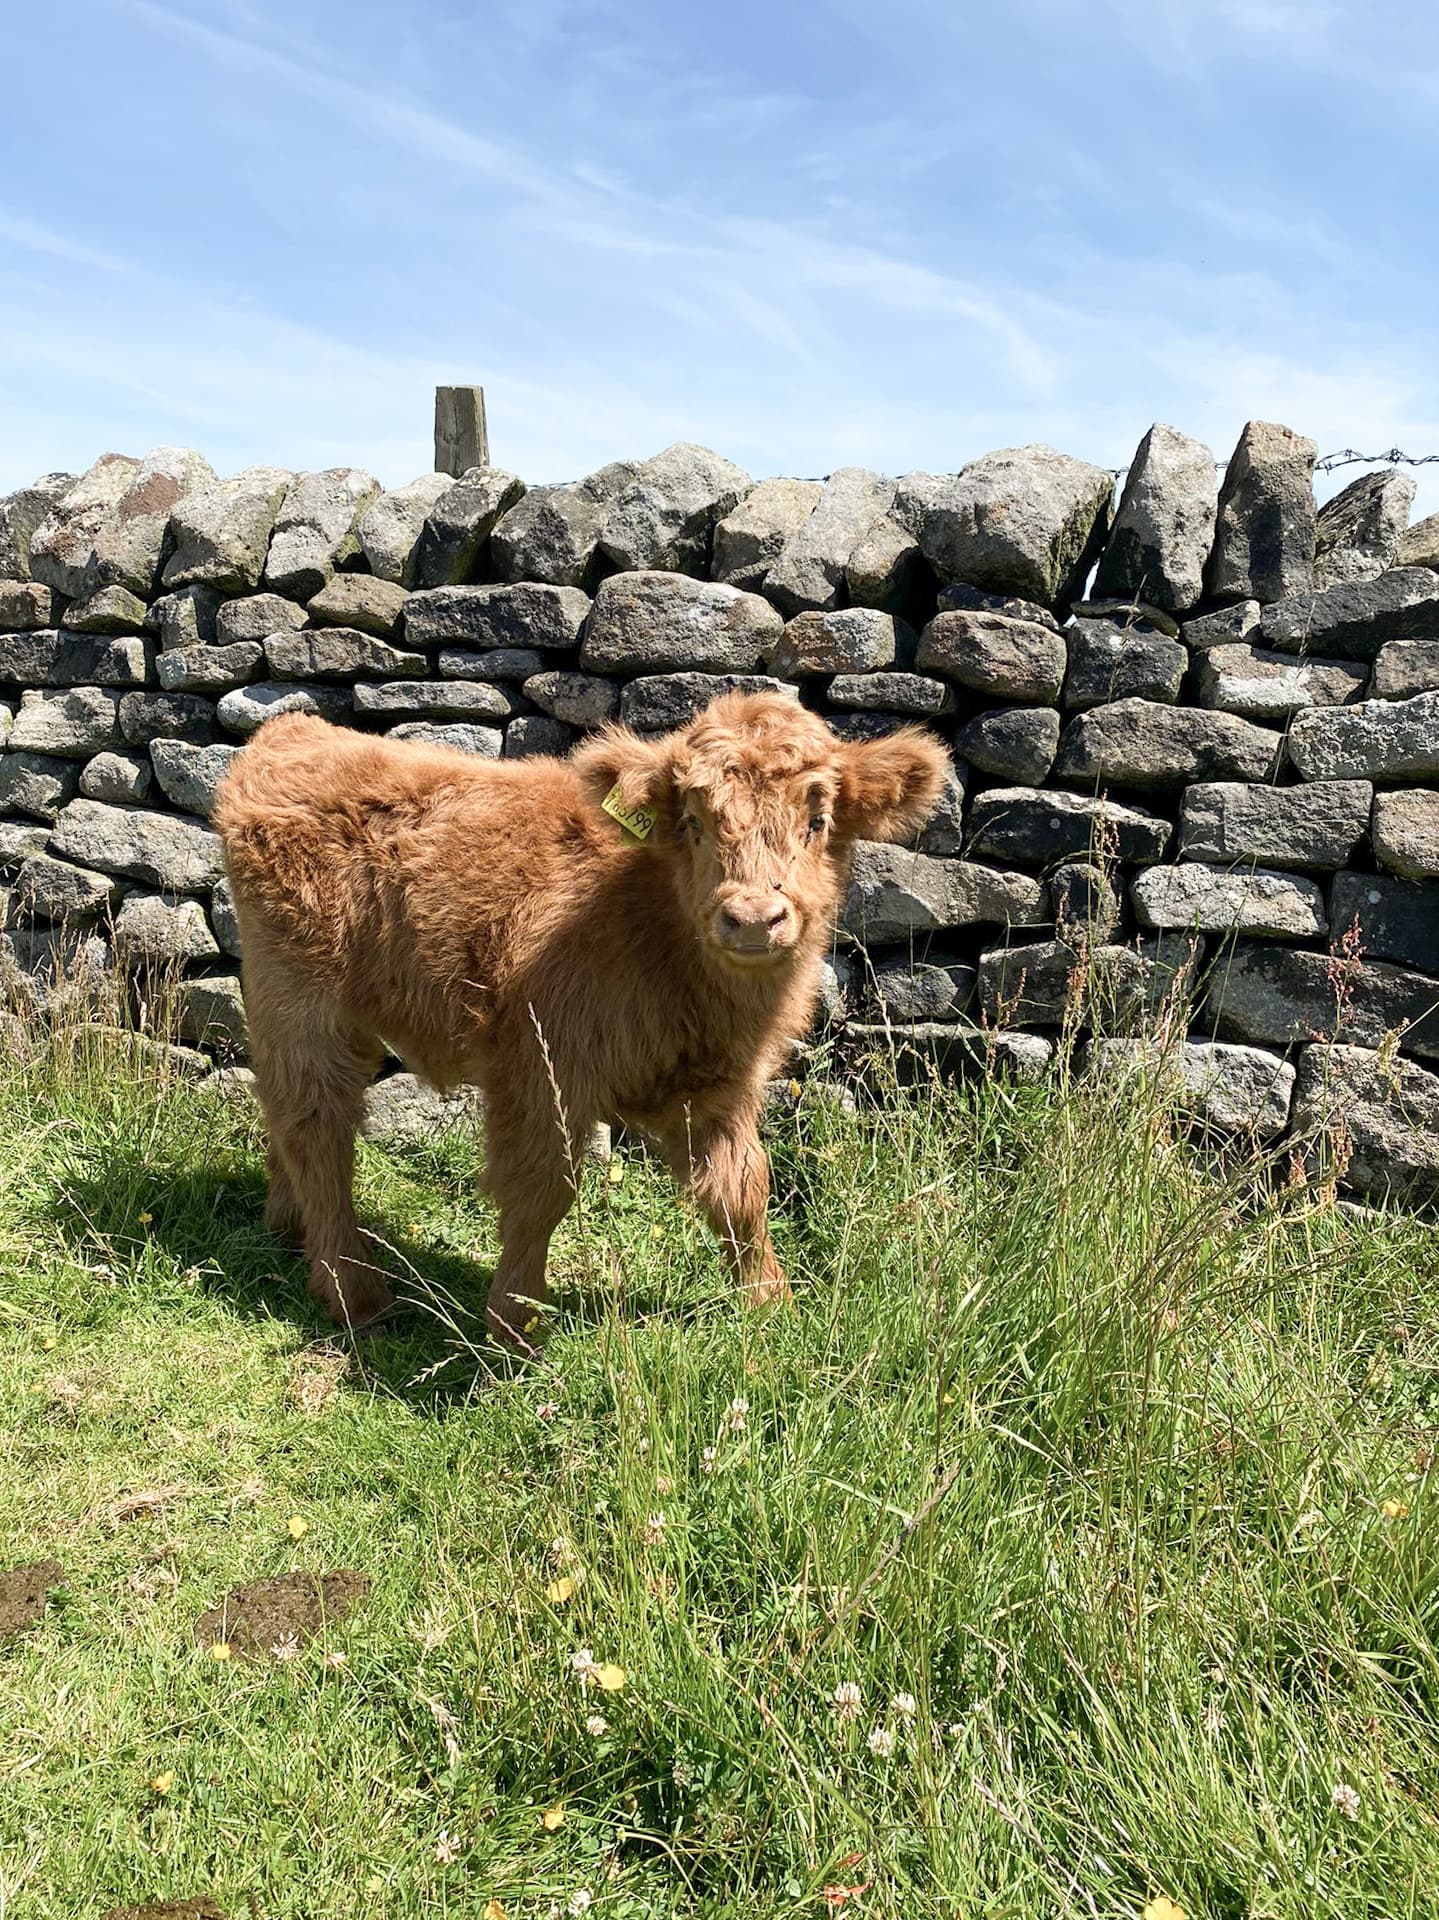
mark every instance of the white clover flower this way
{"type": "Point", "coordinates": [1346, 1801]}
{"type": "Point", "coordinates": [286, 1649]}
{"type": "Point", "coordinates": [447, 1850]}
{"type": "Point", "coordinates": [597, 1726]}
{"type": "Point", "coordinates": [846, 1700]}
{"type": "Point", "coordinates": [654, 1529]}
{"type": "Point", "coordinates": [881, 1743]}
{"type": "Point", "coordinates": [580, 1900]}
{"type": "Point", "coordinates": [905, 1705]}
{"type": "Point", "coordinates": [584, 1663]}
{"type": "Point", "coordinates": [709, 1459]}
{"type": "Point", "coordinates": [738, 1409]}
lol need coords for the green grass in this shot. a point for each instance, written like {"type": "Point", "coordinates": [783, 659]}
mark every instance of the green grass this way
{"type": "Point", "coordinates": [1081, 1441]}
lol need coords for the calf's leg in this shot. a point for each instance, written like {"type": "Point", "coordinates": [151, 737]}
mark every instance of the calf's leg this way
{"type": "Point", "coordinates": [725, 1167]}
{"type": "Point", "coordinates": [531, 1171]}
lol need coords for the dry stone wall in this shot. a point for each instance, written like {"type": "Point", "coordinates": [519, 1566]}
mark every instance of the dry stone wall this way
{"type": "Point", "coordinates": [1217, 774]}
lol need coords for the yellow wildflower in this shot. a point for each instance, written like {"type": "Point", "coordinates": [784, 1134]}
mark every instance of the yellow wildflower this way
{"type": "Point", "coordinates": [493, 1910]}
{"type": "Point", "coordinates": [1395, 1509]}
{"type": "Point", "coordinates": [617, 1172]}
{"type": "Point", "coordinates": [552, 1818]}
{"type": "Point", "coordinates": [162, 1783]}
{"type": "Point", "coordinates": [298, 1526]}
{"type": "Point", "coordinates": [558, 1591]}
{"type": "Point", "coordinates": [220, 1650]}
{"type": "Point", "coordinates": [1163, 1908]}
{"type": "Point", "coordinates": [144, 1219]}
{"type": "Point", "coordinates": [610, 1678]}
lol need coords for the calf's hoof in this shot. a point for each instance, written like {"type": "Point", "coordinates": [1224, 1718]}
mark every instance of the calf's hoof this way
{"type": "Point", "coordinates": [514, 1321]}
{"type": "Point", "coordinates": [770, 1290]}
{"type": "Point", "coordinates": [354, 1294]}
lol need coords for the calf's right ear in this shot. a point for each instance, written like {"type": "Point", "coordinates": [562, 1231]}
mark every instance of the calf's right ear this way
{"type": "Point", "coordinates": [634, 775]}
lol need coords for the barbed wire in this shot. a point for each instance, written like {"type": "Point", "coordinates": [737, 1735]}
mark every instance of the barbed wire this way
{"type": "Point", "coordinates": [1346, 457]}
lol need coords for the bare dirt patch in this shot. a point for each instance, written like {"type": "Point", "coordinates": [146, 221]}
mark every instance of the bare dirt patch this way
{"type": "Point", "coordinates": [22, 1595]}
{"type": "Point", "coordinates": [282, 1613]}
{"type": "Point", "coordinates": [315, 1380]}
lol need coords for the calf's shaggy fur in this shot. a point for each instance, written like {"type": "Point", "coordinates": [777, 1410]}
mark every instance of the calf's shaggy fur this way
{"type": "Point", "coordinates": [494, 925]}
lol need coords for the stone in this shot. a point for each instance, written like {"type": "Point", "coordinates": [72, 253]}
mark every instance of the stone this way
{"type": "Point", "coordinates": [1164, 526]}
{"type": "Point", "coordinates": [1359, 530]}
{"type": "Point", "coordinates": [664, 517]}
{"type": "Point", "coordinates": [121, 779]}
{"type": "Point", "coordinates": [56, 970]}
{"type": "Point", "coordinates": [924, 990]}
{"type": "Point", "coordinates": [532, 733]}
{"type": "Point", "coordinates": [956, 597]}
{"type": "Point", "coordinates": [107, 610]}
{"type": "Point", "coordinates": [809, 573]}
{"type": "Point", "coordinates": [162, 850]}
{"type": "Point", "coordinates": [36, 784]}
{"type": "Point", "coordinates": [1025, 520]}
{"type": "Point", "coordinates": [1404, 827]}
{"type": "Point", "coordinates": [530, 616]}
{"type": "Point", "coordinates": [337, 653]}
{"type": "Point", "coordinates": [1084, 900]}
{"type": "Point", "coordinates": [1039, 829]}
{"type": "Point", "coordinates": [64, 659]}
{"type": "Point", "coordinates": [390, 527]}
{"type": "Point", "coordinates": [1378, 740]}
{"type": "Point", "coordinates": [62, 546]}
{"type": "Point", "coordinates": [131, 539]}
{"type": "Point", "coordinates": [1142, 743]}
{"type": "Point", "coordinates": [1265, 528]}
{"type": "Point", "coordinates": [1051, 983]}
{"type": "Point", "coordinates": [1354, 621]}
{"type": "Point", "coordinates": [245, 708]}
{"type": "Point", "coordinates": [1381, 1119]}
{"type": "Point", "coordinates": [1210, 899]}
{"type": "Point", "coordinates": [753, 534]}
{"type": "Point", "coordinates": [1222, 627]}
{"type": "Point", "coordinates": [495, 663]}
{"type": "Point", "coordinates": [26, 606]}
{"type": "Point", "coordinates": [1232, 1089]}
{"type": "Point", "coordinates": [908, 693]}
{"type": "Point", "coordinates": [1403, 668]}
{"type": "Point", "coordinates": [454, 543]}
{"type": "Point", "coordinates": [886, 569]}
{"type": "Point", "coordinates": [1126, 613]}
{"type": "Point", "coordinates": [190, 777]}
{"type": "Point", "coordinates": [915, 1052]}
{"type": "Point", "coordinates": [484, 742]}
{"type": "Point", "coordinates": [1418, 545]}
{"type": "Point", "coordinates": [943, 832]}
{"type": "Point", "coordinates": [212, 1014]}
{"type": "Point", "coordinates": [866, 725]}
{"type": "Point", "coordinates": [401, 1111]}
{"type": "Point", "coordinates": [1317, 828]}
{"type": "Point", "coordinates": [221, 533]}
{"type": "Point", "coordinates": [658, 703]}
{"type": "Point", "coordinates": [468, 700]}
{"type": "Point", "coordinates": [1005, 658]}
{"type": "Point", "coordinates": [357, 600]}
{"type": "Point", "coordinates": [74, 724]}
{"type": "Point", "coordinates": [210, 669]}
{"type": "Point", "coordinates": [1284, 996]}
{"type": "Point", "coordinates": [317, 529]}
{"type": "Point", "coordinates": [854, 640]}
{"type": "Point", "coordinates": [895, 894]}
{"type": "Point", "coordinates": [189, 617]}
{"type": "Point", "coordinates": [51, 890]}
{"type": "Point", "coordinates": [1110, 662]}
{"type": "Point", "coordinates": [658, 622]}
{"type": "Point", "coordinates": [551, 534]}
{"type": "Point", "coordinates": [224, 919]}
{"type": "Point", "coordinates": [18, 840]}
{"type": "Point", "coordinates": [579, 699]}
{"type": "Point", "coordinates": [255, 617]}
{"type": "Point", "coordinates": [1396, 919]}
{"type": "Point", "coordinates": [153, 930]}
{"type": "Point", "coordinates": [21, 515]}
{"type": "Point", "coordinates": [167, 716]}
{"type": "Point", "coordinates": [1263, 685]}
{"type": "Point", "coordinates": [1016, 744]}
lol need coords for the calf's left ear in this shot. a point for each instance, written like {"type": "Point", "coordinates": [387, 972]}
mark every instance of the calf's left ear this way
{"type": "Point", "coordinates": [888, 788]}
{"type": "Point", "coordinates": [638, 772]}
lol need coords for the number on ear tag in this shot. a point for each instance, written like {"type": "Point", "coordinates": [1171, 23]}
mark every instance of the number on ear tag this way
{"type": "Point", "coordinates": [636, 820]}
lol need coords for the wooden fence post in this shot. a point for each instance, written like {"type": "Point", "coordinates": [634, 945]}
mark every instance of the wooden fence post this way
{"type": "Point", "coordinates": [462, 439]}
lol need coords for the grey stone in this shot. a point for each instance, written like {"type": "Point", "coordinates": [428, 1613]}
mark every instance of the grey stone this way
{"type": "Point", "coordinates": [495, 663]}
{"type": "Point", "coordinates": [34, 783]}
{"type": "Point", "coordinates": [753, 534]}
{"type": "Point", "coordinates": [26, 606]}
{"type": "Point", "coordinates": [224, 919]}
{"type": "Point", "coordinates": [1357, 619]}
{"type": "Point", "coordinates": [120, 779]}
{"type": "Point", "coordinates": [957, 597]}
{"type": "Point", "coordinates": [167, 716]}
{"type": "Point", "coordinates": [551, 535]}
{"type": "Point", "coordinates": [7, 721]}
{"type": "Point", "coordinates": [1380, 740]}
{"type": "Point", "coordinates": [664, 518]}
{"type": "Point", "coordinates": [527, 615]}
{"type": "Point", "coordinates": [210, 669]}
{"type": "Point", "coordinates": [212, 1014]}
{"type": "Point", "coordinates": [895, 894]}
{"type": "Point", "coordinates": [107, 610]}
{"type": "Point", "coordinates": [484, 742]}
{"type": "Point", "coordinates": [157, 931]}
{"type": "Point", "coordinates": [337, 653]}
{"type": "Point", "coordinates": [943, 832]}
{"type": "Point", "coordinates": [1016, 744]}
{"type": "Point", "coordinates": [454, 543]}
{"type": "Point", "coordinates": [162, 850]}
{"type": "Point", "coordinates": [1084, 900]}
{"type": "Point", "coordinates": [1403, 668]}
{"type": "Point", "coordinates": [886, 568]}
{"type": "Point", "coordinates": [189, 776]}
{"type": "Point", "coordinates": [469, 700]}
{"type": "Point", "coordinates": [401, 1111]}
{"type": "Point", "coordinates": [62, 546]}
{"type": "Point", "coordinates": [532, 733]}
{"type": "Point", "coordinates": [1141, 743]}
{"type": "Point", "coordinates": [1164, 525]}
{"type": "Point", "coordinates": [1397, 919]}
{"type": "Point", "coordinates": [1109, 662]}
{"type": "Point", "coordinates": [1265, 529]}
{"type": "Point", "coordinates": [993, 654]}
{"type": "Point", "coordinates": [21, 514]}
{"type": "Point", "coordinates": [579, 699]}
{"type": "Point", "coordinates": [221, 533]}
{"type": "Point", "coordinates": [71, 660]}
{"type": "Point", "coordinates": [1025, 520]}
{"type": "Point", "coordinates": [56, 970]}
{"type": "Point", "coordinates": [1283, 996]}
{"type": "Point", "coordinates": [1104, 988]}
{"type": "Point", "coordinates": [1040, 829]}
{"type": "Point", "coordinates": [1232, 1089]}
{"type": "Point", "coordinates": [1253, 900]}
{"type": "Point", "coordinates": [74, 724]}
{"type": "Point", "coordinates": [1130, 612]}
{"type": "Point", "coordinates": [1359, 530]}
{"type": "Point", "coordinates": [1404, 827]}
{"type": "Point", "coordinates": [854, 640]}
{"type": "Point", "coordinates": [189, 617]}
{"type": "Point", "coordinates": [867, 725]}
{"type": "Point", "coordinates": [357, 600]}
{"type": "Point", "coordinates": [918, 1050]}
{"type": "Point", "coordinates": [1318, 827]}
{"type": "Point", "coordinates": [809, 573]}
{"type": "Point", "coordinates": [245, 708]}
{"type": "Point", "coordinates": [1222, 627]}
{"type": "Point", "coordinates": [1419, 544]}
{"type": "Point", "coordinates": [255, 617]}
{"type": "Point", "coordinates": [390, 527]}
{"type": "Point", "coordinates": [658, 703]}
{"type": "Point", "coordinates": [131, 539]}
{"type": "Point", "coordinates": [908, 693]}
{"type": "Point", "coordinates": [18, 840]}
{"type": "Point", "coordinates": [1263, 685]}
{"type": "Point", "coordinates": [921, 990]}
{"type": "Point", "coordinates": [656, 622]}
{"type": "Point", "coordinates": [317, 529]}
{"type": "Point", "coordinates": [48, 889]}
{"type": "Point", "coordinates": [1380, 1115]}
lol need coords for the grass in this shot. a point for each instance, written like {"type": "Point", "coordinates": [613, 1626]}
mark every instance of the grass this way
{"type": "Point", "coordinates": [1081, 1439]}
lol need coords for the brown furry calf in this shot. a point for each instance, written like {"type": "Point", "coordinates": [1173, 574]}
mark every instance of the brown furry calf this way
{"type": "Point", "coordinates": [497, 926]}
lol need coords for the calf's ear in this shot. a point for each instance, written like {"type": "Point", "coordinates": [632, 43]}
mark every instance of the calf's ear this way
{"type": "Point", "coordinates": [888, 788]}
{"type": "Point", "coordinates": [637, 773]}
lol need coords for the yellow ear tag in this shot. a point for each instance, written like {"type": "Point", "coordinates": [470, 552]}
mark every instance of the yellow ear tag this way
{"type": "Point", "coordinates": [636, 820]}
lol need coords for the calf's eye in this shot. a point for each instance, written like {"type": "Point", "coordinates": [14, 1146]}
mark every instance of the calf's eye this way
{"type": "Point", "coordinates": [817, 825]}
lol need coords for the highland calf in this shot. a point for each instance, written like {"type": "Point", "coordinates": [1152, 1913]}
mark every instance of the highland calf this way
{"type": "Point", "coordinates": [635, 933]}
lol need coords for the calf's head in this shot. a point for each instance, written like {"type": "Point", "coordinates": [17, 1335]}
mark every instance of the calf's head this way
{"type": "Point", "coordinates": [754, 807]}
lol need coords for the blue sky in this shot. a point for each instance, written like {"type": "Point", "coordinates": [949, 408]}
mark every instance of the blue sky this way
{"type": "Point", "coordinates": [805, 232]}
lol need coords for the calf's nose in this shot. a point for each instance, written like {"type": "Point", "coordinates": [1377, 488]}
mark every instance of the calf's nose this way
{"type": "Point", "coordinates": [750, 923]}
